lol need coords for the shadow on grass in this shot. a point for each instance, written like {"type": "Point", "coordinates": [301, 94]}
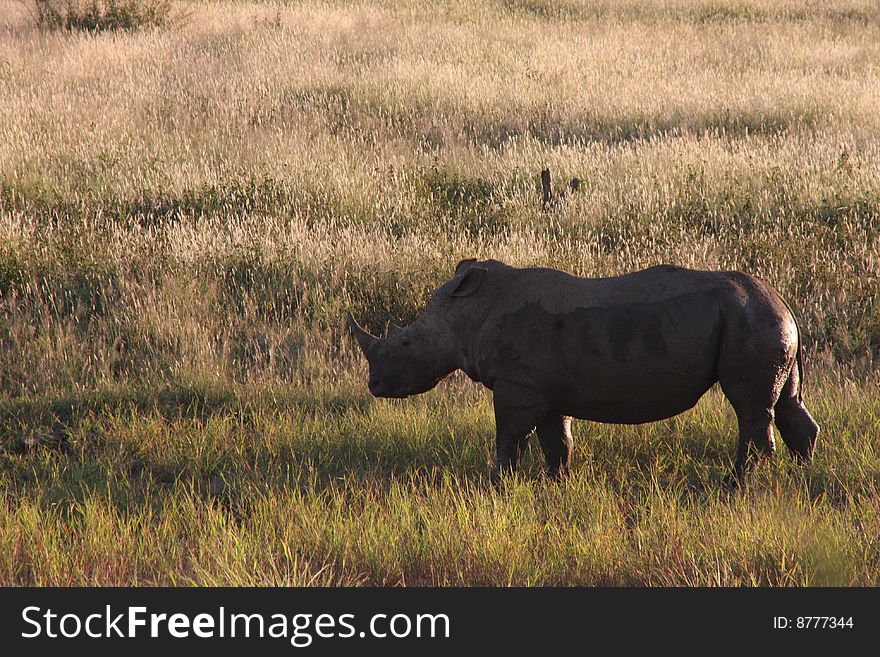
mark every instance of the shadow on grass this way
{"type": "Point", "coordinates": [224, 445]}
{"type": "Point", "coordinates": [21, 418]}
{"type": "Point", "coordinates": [232, 447]}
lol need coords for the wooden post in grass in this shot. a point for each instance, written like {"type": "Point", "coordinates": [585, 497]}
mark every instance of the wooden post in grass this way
{"type": "Point", "coordinates": [547, 186]}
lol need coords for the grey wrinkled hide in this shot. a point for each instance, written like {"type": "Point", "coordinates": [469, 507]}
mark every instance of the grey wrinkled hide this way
{"type": "Point", "coordinates": [627, 349]}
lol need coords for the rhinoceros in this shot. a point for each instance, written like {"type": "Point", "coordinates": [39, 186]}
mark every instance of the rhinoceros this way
{"type": "Point", "coordinates": [627, 349]}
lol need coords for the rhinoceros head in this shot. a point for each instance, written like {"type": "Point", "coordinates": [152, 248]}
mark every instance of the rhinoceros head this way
{"type": "Point", "coordinates": [412, 360]}
{"type": "Point", "coordinates": [405, 362]}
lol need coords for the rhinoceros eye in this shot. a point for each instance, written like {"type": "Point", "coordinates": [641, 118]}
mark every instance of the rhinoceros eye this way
{"type": "Point", "coordinates": [405, 342]}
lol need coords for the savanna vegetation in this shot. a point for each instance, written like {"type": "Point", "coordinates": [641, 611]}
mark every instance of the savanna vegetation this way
{"type": "Point", "coordinates": [189, 207]}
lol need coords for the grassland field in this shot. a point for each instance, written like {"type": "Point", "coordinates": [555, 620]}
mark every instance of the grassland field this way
{"type": "Point", "coordinates": [188, 212]}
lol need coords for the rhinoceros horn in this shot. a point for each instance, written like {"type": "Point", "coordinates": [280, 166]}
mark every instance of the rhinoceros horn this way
{"type": "Point", "coordinates": [365, 339]}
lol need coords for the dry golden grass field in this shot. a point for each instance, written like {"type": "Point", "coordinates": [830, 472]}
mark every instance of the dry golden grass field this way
{"type": "Point", "coordinates": [188, 211]}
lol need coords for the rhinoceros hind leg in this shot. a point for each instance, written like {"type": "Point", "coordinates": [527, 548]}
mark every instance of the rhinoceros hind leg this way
{"type": "Point", "coordinates": [554, 432]}
{"type": "Point", "coordinates": [754, 370]}
{"type": "Point", "coordinates": [755, 437]}
{"type": "Point", "coordinates": [518, 410]}
{"type": "Point", "coordinates": [753, 390]}
{"type": "Point", "coordinates": [797, 428]}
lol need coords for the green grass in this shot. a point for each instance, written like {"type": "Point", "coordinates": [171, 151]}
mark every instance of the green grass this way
{"type": "Point", "coordinates": [197, 485]}
{"type": "Point", "coordinates": [100, 15]}
{"type": "Point", "coordinates": [187, 215]}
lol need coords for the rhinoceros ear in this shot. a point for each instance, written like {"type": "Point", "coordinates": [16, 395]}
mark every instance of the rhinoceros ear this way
{"type": "Point", "coordinates": [365, 340]}
{"type": "Point", "coordinates": [470, 282]}
{"type": "Point", "coordinates": [462, 263]}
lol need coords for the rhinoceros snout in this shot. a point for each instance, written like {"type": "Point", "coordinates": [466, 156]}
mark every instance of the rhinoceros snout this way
{"type": "Point", "coordinates": [381, 388]}
{"type": "Point", "coordinates": [378, 388]}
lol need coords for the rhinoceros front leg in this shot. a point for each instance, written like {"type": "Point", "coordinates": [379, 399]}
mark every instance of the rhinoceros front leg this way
{"type": "Point", "coordinates": [554, 432]}
{"type": "Point", "coordinates": [518, 410]}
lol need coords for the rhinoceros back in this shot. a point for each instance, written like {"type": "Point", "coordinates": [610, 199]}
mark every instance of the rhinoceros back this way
{"type": "Point", "coordinates": [626, 349]}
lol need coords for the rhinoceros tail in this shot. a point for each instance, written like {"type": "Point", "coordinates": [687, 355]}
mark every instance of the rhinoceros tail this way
{"type": "Point", "coordinates": [800, 365]}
